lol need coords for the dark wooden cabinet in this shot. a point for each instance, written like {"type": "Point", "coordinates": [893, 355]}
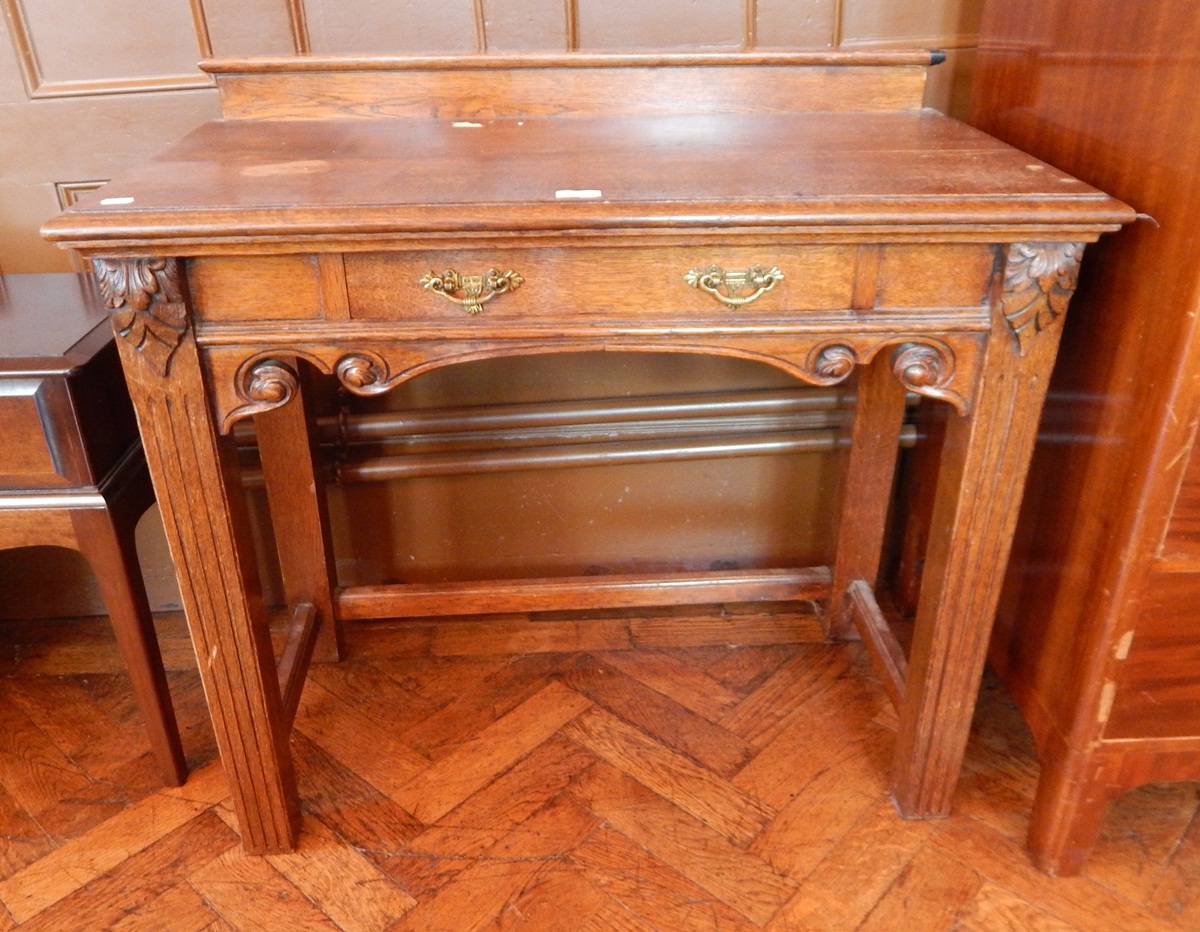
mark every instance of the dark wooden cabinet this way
{"type": "Point", "coordinates": [72, 472]}
{"type": "Point", "coordinates": [1098, 633]}
{"type": "Point", "coordinates": [64, 413]}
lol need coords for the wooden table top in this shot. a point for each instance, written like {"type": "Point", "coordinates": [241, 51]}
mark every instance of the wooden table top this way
{"type": "Point", "coordinates": [842, 172]}
{"type": "Point", "coordinates": [50, 323]}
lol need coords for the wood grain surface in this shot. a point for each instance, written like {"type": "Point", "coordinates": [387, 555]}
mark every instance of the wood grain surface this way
{"type": "Point", "coordinates": [583, 194]}
{"type": "Point", "coordinates": [1098, 636]}
{"type": "Point", "coordinates": [573, 810]}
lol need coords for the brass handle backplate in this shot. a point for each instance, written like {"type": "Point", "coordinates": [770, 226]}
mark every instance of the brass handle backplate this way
{"type": "Point", "coordinates": [476, 289]}
{"type": "Point", "coordinates": [729, 287]}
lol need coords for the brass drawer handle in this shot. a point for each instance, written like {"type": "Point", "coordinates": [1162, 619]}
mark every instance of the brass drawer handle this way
{"type": "Point", "coordinates": [476, 289]}
{"type": "Point", "coordinates": [714, 278]}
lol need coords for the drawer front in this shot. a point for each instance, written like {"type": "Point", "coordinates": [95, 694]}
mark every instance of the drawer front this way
{"type": "Point", "coordinates": [1183, 533]}
{"type": "Point", "coordinates": [1158, 685]}
{"type": "Point", "coordinates": [31, 456]}
{"type": "Point", "coordinates": [842, 283]}
{"type": "Point", "coordinates": [616, 283]}
{"type": "Point", "coordinates": [256, 288]}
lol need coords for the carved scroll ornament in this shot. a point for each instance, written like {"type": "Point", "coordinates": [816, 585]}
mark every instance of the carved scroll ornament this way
{"type": "Point", "coordinates": [146, 296]}
{"type": "Point", "coordinates": [365, 373]}
{"type": "Point", "coordinates": [249, 380]}
{"type": "Point", "coordinates": [927, 369]}
{"type": "Point", "coordinates": [261, 384]}
{"type": "Point", "coordinates": [1039, 279]}
{"type": "Point", "coordinates": [830, 364]}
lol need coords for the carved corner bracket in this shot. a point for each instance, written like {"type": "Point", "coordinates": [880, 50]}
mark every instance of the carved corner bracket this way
{"type": "Point", "coordinates": [146, 297]}
{"type": "Point", "coordinates": [248, 380]}
{"type": "Point", "coordinates": [1039, 279]}
{"type": "Point", "coordinates": [927, 369]}
{"type": "Point", "coordinates": [261, 384]}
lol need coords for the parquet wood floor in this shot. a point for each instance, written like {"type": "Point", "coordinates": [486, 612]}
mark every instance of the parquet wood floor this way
{"type": "Point", "coordinates": [709, 769]}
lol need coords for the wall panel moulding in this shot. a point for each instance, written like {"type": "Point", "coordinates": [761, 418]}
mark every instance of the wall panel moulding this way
{"type": "Point", "coordinates": [84, 47]}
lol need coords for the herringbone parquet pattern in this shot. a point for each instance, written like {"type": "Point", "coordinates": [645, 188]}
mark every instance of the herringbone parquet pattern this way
{"type": "Point", "coordinates": [716, 769]}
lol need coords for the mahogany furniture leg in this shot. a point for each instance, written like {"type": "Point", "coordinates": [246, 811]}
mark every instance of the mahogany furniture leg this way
{"type": "Point", "coordinates": [205, 515]}
{"type": "Point", "coordinates": [874, 436]}
{"type": "Point", "coordinates": [1073, 795]}
{"type": "Point", "coordinates": [299, 514]}
{"type": "Point", "coordinates": [106, 539]}
{"type": "Point", "coordinates": [981, 477]}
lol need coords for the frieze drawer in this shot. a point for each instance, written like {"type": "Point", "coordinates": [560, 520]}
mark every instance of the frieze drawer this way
{"type": "Point", "coordinates": [524, 284]}
{"type": "Point", "coordinates": [28, 457]}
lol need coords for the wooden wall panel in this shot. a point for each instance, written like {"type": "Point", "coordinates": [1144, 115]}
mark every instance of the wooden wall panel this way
{"type": "Point", "coordinates": [529, 25]}
{"type": "Point", "coordinates": [77, 142]}
{"type": "Point", "coordinates": [913, 22]}
{"type": "Point", "coordinates": [336, 27]}
{"type": "Point", "coordinates": [12, 84]}
{"type": "Point", "coordinates": [677, 24]}
{"type": "Point", "coordinates": [795, 24]}
{"type": "Point", "coordinates": [250, 27]}
{"type": "Point", "coordinates": [70, 47]}
{"type": "Point", "coordinates": [948, 87]}
{"type": "Point", "coordinates": [25, 207]}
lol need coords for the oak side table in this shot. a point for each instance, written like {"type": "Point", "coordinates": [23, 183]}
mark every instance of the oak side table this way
{"type": "Point", "coordinates": [366, 220]}
{"type": "Point", "coordinates": [72, 472]}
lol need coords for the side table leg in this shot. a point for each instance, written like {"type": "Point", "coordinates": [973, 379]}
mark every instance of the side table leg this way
{"type": "Point", "coordinates": [112, 553]}
{"type": "Point", "coordinates": [981, 477]}
{"type": "Point", "coordinates": [1073, 795]}
{"type": "Point", "coordinates": [299, 515]}
{"type": "Point", "coordinates": [196, 481]}
{"type": "Point", "coordinates": [866, 487]}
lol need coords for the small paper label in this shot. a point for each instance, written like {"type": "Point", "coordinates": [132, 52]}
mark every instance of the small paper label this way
{"type": "Point", "coordinates": [582, 192]}
{"type": "Point", "coordinates": [113, 201]}
{"type": "Point", "coordinates": [466, 124]}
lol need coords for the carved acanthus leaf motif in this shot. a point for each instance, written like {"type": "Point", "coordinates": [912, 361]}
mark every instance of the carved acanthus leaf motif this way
{"type": "Point", "coordinates": [1039, 279]}
{"type": "Point", "coordinates": [146, 296]}
{"type": "Point", "coordinates": [927, 369]}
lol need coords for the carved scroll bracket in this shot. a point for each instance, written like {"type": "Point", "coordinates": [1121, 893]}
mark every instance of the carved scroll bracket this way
{"type": "Point", "coordinates": [830, 363]}
{"type": "Point", "coordinates": [146, 297]}
{"type": "Point", "coordinates": [248, 380]}
{"type": "Point", "coordinates": [365, 373]}
{"type": "Point", "coordinates": [1039, 279]}
{"type": "Point", "coordinates": [927, 369]}
{"type": "Point", "coordinates": [262, 384]}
